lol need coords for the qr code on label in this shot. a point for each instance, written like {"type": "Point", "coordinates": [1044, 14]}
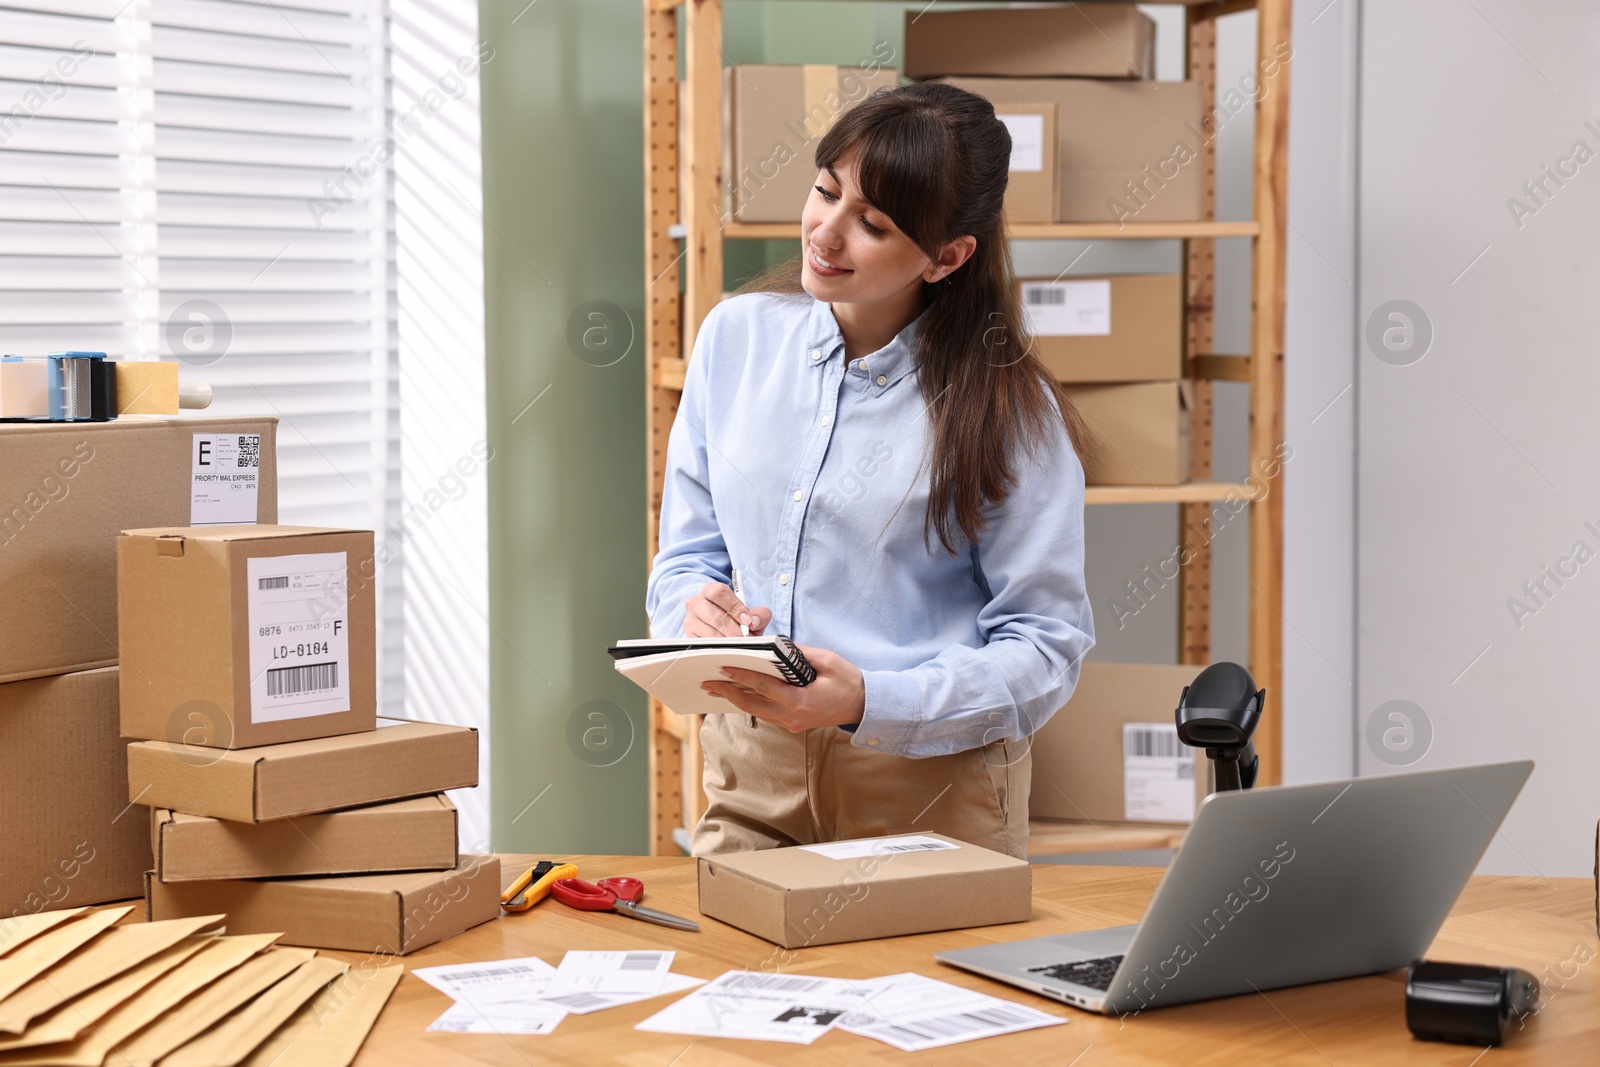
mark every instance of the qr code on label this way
{"type": "Point", "coordinates": [250, 451]}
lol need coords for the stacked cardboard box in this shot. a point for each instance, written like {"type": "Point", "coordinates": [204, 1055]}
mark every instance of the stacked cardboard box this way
{"type": "Point", "coordinates": [1113, 755]}
{"type": "Point", "coordinates": [1123, 148]}
{"type": "Point", "coordinates": [1094, 139]}
{"type": "Point", "coordinates": [1117, 342]}
{"type": "Point", "coordinates": [276, 794]}
{"type": "Point", "coordinates": [66, 489]}
{"type": "Point", "coordinates": [773, 116]}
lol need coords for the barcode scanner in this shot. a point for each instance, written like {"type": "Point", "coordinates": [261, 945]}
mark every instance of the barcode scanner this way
{"type": "Point", "coordinates": [1219, 712]}
{"type": "Point", "coordinates": [1467, 1003]}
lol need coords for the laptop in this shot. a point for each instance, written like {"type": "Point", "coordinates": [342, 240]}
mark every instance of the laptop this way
{"type": "Point", "coordinates": [1280, 886]}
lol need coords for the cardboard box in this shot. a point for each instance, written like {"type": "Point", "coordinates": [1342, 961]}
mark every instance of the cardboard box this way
{"type": "Point", "coordinates": [1075, 40]}
{"type": "Point", "coordinates": [857, 890]}
{"type": "Point", "coordinates": [1031, 184]}
{"type": "Point", "coordinates": [1128, 151]}
{"type": "Point", "coordinates": [246, 635]}
{"type": "Point", "coordinates": [380, 913]}
{"type": "Point", "coordinates": [399, 759]}
{"type": "Point", "coordinates": [71, 837]}
{"type": "Point", "coordinates": [1140, 431]}
{"type": "Point", "coordinates": [403, 835]}
{"type": "Point", "coordinates": [66, 489]}
{"type": "Point", "coordinates": [772, 118]}
{"type": "Point", "coordinates": [1121, 328]}
{"type": "Point", "coordinates": [1088, 764]}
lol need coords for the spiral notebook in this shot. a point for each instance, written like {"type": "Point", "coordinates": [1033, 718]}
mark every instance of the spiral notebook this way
{"type": "Point", "coordinates": [671, 670]}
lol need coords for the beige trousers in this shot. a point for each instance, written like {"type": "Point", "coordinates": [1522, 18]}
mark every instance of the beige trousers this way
{"type": "Point", "coordinates": [768, 788]}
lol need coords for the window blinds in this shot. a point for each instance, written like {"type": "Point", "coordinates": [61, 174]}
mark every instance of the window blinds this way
{"type": "Point", "coordinates": [208, 180]}
{"type": "Point", "coordinates": [261, 113]}
{"type": "Point", "coordinates": [77, 226]}
{"type": "Point", "coordinates": [273, 219]}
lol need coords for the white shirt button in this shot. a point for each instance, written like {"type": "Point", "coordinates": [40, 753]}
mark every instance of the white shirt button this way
{"type": "Point", "coordinates": [883, 380]}
{"type": "Point", "coordinates": [861, 365]}
{"type": "Point", "coordinates": [873, 741]}
{"type": "Point", "coordinates": [783, 579]}
{"type": "Point", "coordinates": [827, 420]}
{"type": "Point", "coordinates": [799, 495]}
{"type": "Point", "coordinates": [816, 354]}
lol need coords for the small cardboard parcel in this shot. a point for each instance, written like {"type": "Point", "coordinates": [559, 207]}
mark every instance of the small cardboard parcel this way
{"type": "Point", "coordinates": [856, 890]}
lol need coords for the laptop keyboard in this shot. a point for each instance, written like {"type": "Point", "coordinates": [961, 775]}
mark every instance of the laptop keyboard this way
{"type": "Point", "coordinates": [1096, 973]}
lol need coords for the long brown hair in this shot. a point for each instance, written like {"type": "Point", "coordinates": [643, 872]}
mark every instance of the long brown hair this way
{"type": "Point", "coordinates": [934, 159]}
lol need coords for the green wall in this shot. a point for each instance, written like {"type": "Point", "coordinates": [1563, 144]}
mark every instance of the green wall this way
{"type": "Point", "coordinates": [563, 206]}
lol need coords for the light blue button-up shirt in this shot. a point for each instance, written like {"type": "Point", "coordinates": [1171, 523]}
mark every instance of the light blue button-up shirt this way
{"type": "Point", "coordinates": [806, 473]}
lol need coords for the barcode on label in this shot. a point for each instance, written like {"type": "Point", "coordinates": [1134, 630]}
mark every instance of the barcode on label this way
{"type": "Point", "coordinates": [1043, 294]}
{"type": "Point", "coordinates": [274, 583]}
{"type": "Point", "coordinates": [761, 981]}
{"type": "Point", "coordinates": [1151, 741]}
{"type": "Point", "coordinates": [312, 678]}
{"type": "Point", "coordinates": [640, 961]}
{"type": "Point", "coordinates": [956, 1025]}
{"type": "Point", "coordinates": [916, 846]}
{"type": "Point", "coordinates": [250, 451]}
{"type": "Point", "coordinates": [490, 973]}
{"type": "Point", "coordinates": [580, 1001]}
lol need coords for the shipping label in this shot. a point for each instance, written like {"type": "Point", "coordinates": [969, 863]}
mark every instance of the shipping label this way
{"type": "Point", "coordinates": [1157, 773]}
{"type": "Point", "coordinates": [1027, 141]}
{"type": "Point", "coordinates": [881, 846]}
{"type": "Point", "coordinates": [299, 636]}
{"type": "Point", "coordinates": [1068, 309]}
{"type": "Point", "coordinates": [226, 479]}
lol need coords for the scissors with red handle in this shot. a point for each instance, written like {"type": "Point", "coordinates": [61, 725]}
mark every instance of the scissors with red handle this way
{"type": "Point", "coordinates": [614, 894]}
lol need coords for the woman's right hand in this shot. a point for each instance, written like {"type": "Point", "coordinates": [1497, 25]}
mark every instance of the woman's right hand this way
{"type": "Point", "coordinates": [714, 612]}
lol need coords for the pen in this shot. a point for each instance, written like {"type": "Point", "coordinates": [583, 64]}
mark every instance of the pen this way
{"type": "Point", "coordinates": [744, 628]}
{"type": "Point", "coordinates": [738, 591]}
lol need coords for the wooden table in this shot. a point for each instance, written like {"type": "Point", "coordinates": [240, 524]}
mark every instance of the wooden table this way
{"type": "Point", "coordinates": [1545, 926]}
{"type": "Point", "coordinates": [1049, 837]}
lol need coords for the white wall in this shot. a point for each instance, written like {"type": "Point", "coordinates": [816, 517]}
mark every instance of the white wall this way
{"type": "Point", "coordinates": [1319, 663]}
{"type": "Point", "coordinates": [1476, 461]}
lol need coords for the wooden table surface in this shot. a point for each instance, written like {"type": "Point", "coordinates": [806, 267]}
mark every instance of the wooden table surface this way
{"type": "Point", "coordinates": [1546, 926]}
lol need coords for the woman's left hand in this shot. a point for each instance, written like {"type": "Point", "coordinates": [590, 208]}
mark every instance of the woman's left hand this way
{"type": "Point", "coordinates": [836, 698]}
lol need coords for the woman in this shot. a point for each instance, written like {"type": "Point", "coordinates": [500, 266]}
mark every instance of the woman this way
{"type": "Point", "coordinates": [866, 439]}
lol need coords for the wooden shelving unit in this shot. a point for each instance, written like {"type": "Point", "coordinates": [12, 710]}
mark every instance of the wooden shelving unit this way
{"type": "Point", "coordinates": [1055, 231]}
{"type": "Point", "coordinates": [683, 275]}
